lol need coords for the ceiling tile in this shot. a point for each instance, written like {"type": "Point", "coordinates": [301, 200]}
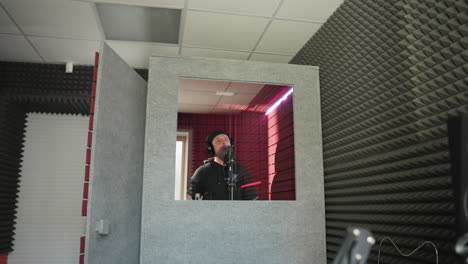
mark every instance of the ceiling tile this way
{"type": "Point", "coordinates": [211, 53]}
{"type": "Point", "coordinates": [6, 25]}
{"type": "Point", "coordinates": [286, 37]}
{"type": "Point", "coordinates": [190, 108]}
{"type": "Point", "coordinates": [137, 54]}
{"type": "Point", "coordinates": [271, 57]}
{"type": "Point", "coordinates": [316, 11]}
{"type": "Point", "coordinates": [246, 88]}
{"type": "Point", "coordinates": [64, 50]}
{"type": "Point", "coordinates": [237, 99]}
{"type": "Point", "coordinates": [17, 48]}
{"type": "Point", "coordinates": [54, 18]}
{"type": "Point", "coordinates": [202, 85]}
{"type": "Point", "coordinates": [178, 4]}
{"type": "Point", "coordinates": [223, 31]}
{"type": "Point", "coordinates": [199, 98]}
{"type": "Point", "coordinates": [257, 7]}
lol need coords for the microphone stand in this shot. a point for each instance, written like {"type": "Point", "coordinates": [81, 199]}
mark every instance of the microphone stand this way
{"type": "Point", "coordinates": [231, 162]}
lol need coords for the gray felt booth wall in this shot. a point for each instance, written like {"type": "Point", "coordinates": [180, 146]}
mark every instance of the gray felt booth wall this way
{"type": "Point", "coordinates": [231, 231]}
{"type": "Point", "coordinates": [117, 162]}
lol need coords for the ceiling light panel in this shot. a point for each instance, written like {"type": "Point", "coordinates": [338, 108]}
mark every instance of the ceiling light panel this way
{"type": "Point", "coordinates": [17, 48]}
{"type": "Point", "coordinates": [286, 37]}
{"type": "Point", "coordinates": [137, 23]}
{"type": "Point", "coordinates": [316, 11]}
{"type": "Point", "coordinates": [222, 31]}
{"type": "Point", "coordinates": [257, 7]}
{"type": "Point", "coordinates": [6, 25]}
{"type": "Point", "coordinates": [54, 18]}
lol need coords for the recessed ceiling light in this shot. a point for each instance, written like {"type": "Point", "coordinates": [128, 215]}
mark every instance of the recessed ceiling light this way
{"type": "Point", "coordinates": [136, 23]}
{"type": "Point", "coordinates": [224, 93]}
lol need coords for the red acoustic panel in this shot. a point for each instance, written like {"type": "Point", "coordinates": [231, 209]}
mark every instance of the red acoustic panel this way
{"type": "Point", "coordinates": [91, 106]}
{"type": "Point", "coordinates": [91, 122]}
{"type": "Point", "coordinates": [88, 156]}
{"type": "Point", "coordinates": [90, 139]}
{"type": "Point", "coordinates": [81, 261]}
{"type": "Point", "coordinates": [249, 131]}
{"type": "Point", "coordinates": [87, 173]}
{"type": "Point", "coordinates": [85, 190]}
{"type": "Point", "coordinates": [96, 63]}
{"type": "Point", "coordinates": [82, 244]}
{"type": "Point", "coordinates": [284, 186]}
{"type": "Point", "coordinates": [84, 207]}
{"type": "Point", "coordinates": [283, 195]}
{"type": "Point", "coordinates": [3, 258]}
{"type": "Point", "coordinates": [93, 90]}
{"type": "Point", "coordinates": [281, 152]}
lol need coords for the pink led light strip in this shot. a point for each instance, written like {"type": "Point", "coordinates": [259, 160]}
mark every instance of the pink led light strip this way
{"type": "Point", "coordinates": [275, 105]}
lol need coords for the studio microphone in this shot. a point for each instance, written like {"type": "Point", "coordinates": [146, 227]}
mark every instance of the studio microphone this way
{"type": "Point", "coordinates": [230, 160]}
{"type": "Point", "coordinates": [230, 157]}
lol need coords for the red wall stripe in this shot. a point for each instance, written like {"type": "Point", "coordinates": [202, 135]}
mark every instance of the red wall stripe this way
{"type": "Point", "coordinates": [96, 63]}
{"type": "Point", "coordinates": [91, 122]}
{"type": "Point", "coordinates": [85, 190]}
{"type": "Point", "coordinates": [87, 173]}
{"type": "Point", "coordinates": [84, 208]}
{"type": "Point", "coordinates": [3, 258]}
{"type": "Point", "coordinates": [93, 90]}
{"type": "Point", "coordinates": [91, 107]}
{"type": "Point", "coordinates": [84, 203]}
{"type": "Point", "coordinates": [88, 156]}
{"type": "Point", "coordinates": [90, 139]}
{"type": "Point", "coordinates": [82, 244]}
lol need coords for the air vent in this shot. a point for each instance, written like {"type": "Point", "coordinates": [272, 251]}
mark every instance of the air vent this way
{"type": "Point", "coordinates": [136, 23]}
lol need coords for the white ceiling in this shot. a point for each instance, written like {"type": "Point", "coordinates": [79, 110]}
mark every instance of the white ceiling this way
{"type": "Point", "coordinates": [58, 31]}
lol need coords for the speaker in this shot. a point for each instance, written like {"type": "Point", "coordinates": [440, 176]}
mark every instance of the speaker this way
{"type": "Point", "coordinates": [458, 144]}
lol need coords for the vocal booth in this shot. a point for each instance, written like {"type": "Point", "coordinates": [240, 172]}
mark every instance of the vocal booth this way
{"type": "Point", "coordinates": [132, 214]}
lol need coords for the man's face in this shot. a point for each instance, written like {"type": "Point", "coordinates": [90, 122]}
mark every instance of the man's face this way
{"type": "Point", "coordinates": [220, 145]}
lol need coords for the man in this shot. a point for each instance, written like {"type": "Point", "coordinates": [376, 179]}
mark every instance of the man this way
{"type": "Point", "coordinates": [210, 181]}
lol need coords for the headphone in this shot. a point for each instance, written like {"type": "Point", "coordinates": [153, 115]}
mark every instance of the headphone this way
{"type": "Point", "coordinates": [210, 137]}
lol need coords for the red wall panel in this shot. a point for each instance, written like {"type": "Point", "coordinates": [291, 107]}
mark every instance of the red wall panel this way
{"type": "Point", "coordinates": [263, 144]}
{"type": "Point", "coordinates": [281, 151]}
{"type": "Point", "coordinates": [249, 131]}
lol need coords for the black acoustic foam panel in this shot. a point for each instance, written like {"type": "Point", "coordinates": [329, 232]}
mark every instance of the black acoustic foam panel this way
{"type": "Point", "coordinates": [29, 87]}
{"type": "Point", "coordinates": [391, 74]}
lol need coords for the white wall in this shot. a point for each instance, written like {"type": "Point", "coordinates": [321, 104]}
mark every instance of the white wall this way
{"type": "Point", "coordinates": [49, 222]}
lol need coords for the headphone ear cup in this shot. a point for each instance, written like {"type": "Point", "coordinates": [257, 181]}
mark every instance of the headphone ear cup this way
{"type": "Point", "coordinates": [209, 148]}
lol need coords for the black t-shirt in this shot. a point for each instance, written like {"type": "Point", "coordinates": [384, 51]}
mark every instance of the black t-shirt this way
{"type": "Point", "coordinates": [209, 181]}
